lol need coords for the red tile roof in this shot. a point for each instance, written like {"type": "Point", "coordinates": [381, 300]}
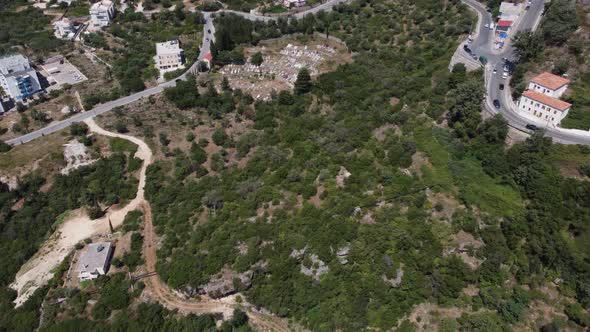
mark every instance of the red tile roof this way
{"type": "Point", "coordinates": [208, 57]}
{"type": "Point", "coordinates": [504, 23]}
{"type": "Point", "coordinates": [550, 81]}
{"type": "Point", "coordinates": [547, 100]}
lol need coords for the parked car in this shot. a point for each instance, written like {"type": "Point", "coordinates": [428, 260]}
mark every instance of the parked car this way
{"type": "Point", "coordinates": [474, 56]}
{"type": "Point", "coordinates": [496, 103]}
{"type": "Point", "coordinates": [531, 127]}
{"type": "Point", "coordinates": [501, 86]}
{"type": "Point", "coordinates": [505, 75]}
{"type": "Point", "coordinates": [208, 30]}
{"type": "Point", "coordinates": [467, 49]}
{"type": "Point", "coordinates": [470, 39]}
{"type": "Point", "coordinates": [487, 26]}
{"type": "Point", "coordinates": [494, 71]}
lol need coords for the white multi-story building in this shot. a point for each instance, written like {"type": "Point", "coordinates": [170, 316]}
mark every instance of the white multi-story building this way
{"type": "Point", "coordinates": [17, 78]}
{"type": "Point", "coordinates": [64, 29]}
{"type": "Point", "coordinates": [101, 13]}
{"type": "Point", "coordinates": [543, 107]}
{"type": "Point", "coordinates": [294, 3]}
{"type": "Point", "coordinates": [95, 260]}
{"type": "Point", "coordinates": [169, 56]}
{"type": "Point", "coordinates": [549, 84]}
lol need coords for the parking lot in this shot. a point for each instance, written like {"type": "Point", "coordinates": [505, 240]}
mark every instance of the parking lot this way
{"type": "Point", "coordinates": [59, 72]}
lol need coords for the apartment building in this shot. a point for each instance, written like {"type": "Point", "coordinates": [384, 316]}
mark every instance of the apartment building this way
{"type": "Point", "coordinates": [102, 13]}
{"type": "Point", "coordinates": [169, 56]}
{"type": "Point", "coordinates": [543, 107]}
{"type": "Point", "coordinates": [18, 79]}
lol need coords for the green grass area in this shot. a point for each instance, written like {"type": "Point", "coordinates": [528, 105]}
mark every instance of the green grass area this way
{"type": "Point", "coordinates": [77, 9]}
{"type": "Point", "coordinates": [478, 189]}
{"type": "Point", "coordinates": [47, 150]}
{"type": "Point", "coordinates": [122, 145]}
{"type": "Point", "coordinates": [475, 187]}
{"type": "Point", "coordinates": [579, 115]}
{"type": "Point", "coordinates": [438, 157]}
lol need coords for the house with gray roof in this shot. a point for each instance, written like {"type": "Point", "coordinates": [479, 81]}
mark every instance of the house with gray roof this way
{"type": "Point", "coordinates": [18, 79]}
{"type": "Point", "coordinates": [95, 260]}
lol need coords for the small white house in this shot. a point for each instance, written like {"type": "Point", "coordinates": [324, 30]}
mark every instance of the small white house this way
{"type": "Point", "coordinates": [102, 13]}
{"type": "Point", "coordinates": [64, 29]}
{"type": "Point", "coordinates": [169, 56]}
{"type": "Point", "coordinates": [294, 3]}
{"type": "Point", "coordinates": [543, 107]}
{"type": "Point", "coordinates": [95, 260]}
{"type": "Point", "coordinates": [549, 84]}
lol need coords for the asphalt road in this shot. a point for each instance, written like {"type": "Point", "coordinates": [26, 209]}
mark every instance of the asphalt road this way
{"type": "Point", "coordinates": [204, 50]}
{"type": "Point", "coordinates": [482, 45]}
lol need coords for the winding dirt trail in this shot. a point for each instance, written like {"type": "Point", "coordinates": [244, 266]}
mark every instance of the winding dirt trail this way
{"type": "Point", "coordinates": [76, 227]}
{"type": "Point", "coordinates": [162, 293]}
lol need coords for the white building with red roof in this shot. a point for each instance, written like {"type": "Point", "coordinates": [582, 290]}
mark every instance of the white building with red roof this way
{"type": "Point", "coordinates": [549, 84]}
{"type": "Point", "coordinates": [541, 101]}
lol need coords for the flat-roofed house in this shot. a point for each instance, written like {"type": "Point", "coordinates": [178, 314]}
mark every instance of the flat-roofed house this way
{"type": "Point", "coordinates": [95, 260]}
{"type": "Point", "coordinates": [549, 84]}
{"type": "Point", "coordinates": [169, 56]}
{"type": "Point", "coordinates": [510, 11]}
{"type": "Point", "coordinates": [64, 29]}
{"type": "Point", "coordinates": [18, 79]}
{"type": "Point", "coordinates": [294, 3]}
{"type": "Point", "coordinates": [102, 13]}
{"type": "Point", "coordinates": [543, 107]}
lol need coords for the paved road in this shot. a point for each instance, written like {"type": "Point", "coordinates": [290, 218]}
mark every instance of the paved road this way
{"type": "Point", "coordinates": [482, 45]}
{"type": "Point", "coordinates": [204, 50]}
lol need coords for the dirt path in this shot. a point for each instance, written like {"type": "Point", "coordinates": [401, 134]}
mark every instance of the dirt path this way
{"type": "Point", "coordinates": [171, 300]}
{"type": "Point", "coordinates": [76, 227]}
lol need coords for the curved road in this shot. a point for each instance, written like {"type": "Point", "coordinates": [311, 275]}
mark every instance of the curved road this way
{"type": "Point", "coordinates": [482, 45]}
{"type": "Point", "coordinates": [204, 50]}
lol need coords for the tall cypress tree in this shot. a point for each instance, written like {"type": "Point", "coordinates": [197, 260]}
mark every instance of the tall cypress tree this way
{"type": "Point", "coordinates": [303, 82]}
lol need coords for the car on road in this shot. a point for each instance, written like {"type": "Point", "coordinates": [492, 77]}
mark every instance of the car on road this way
{"type": "Point", "coordinates": [496, 103]}
{"type": "Point", "coordinates": [488, 9]}
{"type": "Point", "coordinates": [505, 75]}
{"type": "Point", "coordinates": [177, 80]}
{"type": "Point", "coordinates": [208, 30]}
{"type": "Point", "coordinates": [494, 71]}
{"type": "Point", "coordinates": [501, 86]}
{"type": "Point", "coordinates": [487, 26]}
{"type": "Point", "coordinates": [474, 56]}
{"type": "Point", "coordinates": [467, 49]}
{"type": "Point", "coordinates": [207, 39]}
{"type": "Point", "coordinates": [531, 127]}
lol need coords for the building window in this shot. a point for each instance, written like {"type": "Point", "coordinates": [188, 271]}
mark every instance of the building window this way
{"type": "Point", "coordinates": [531, 102]}
{"type": "Point", "coordinates": [554, 112]}
{"type": "Point", "coordinates": [552, 119]}
{"type": "Point", "coordinates": [535, 111]}
{"type": "Point", "coordinates": [543, 107]}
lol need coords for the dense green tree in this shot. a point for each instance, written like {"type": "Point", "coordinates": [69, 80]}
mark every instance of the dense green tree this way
{"type": "Point", "coordinates": [527, 45]}
{"type": "Point", "coordinates": [257, 59]}
{"type": "Point", "coordinates": [303, 83]}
